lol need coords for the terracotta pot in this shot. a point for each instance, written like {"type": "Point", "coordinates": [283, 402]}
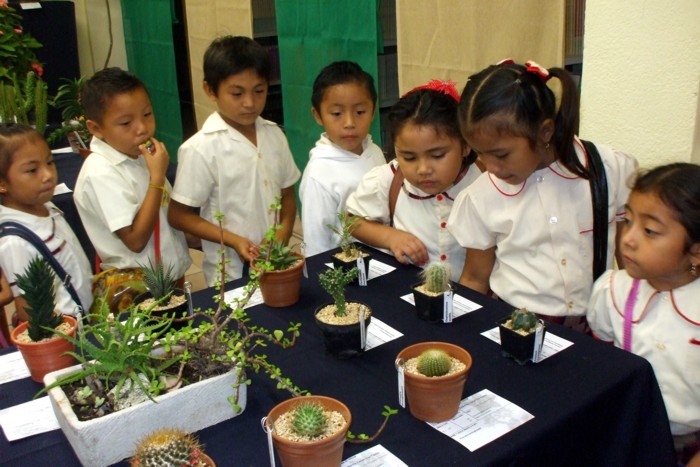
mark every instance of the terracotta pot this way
{"type": "Point", "coordinates": [206, 460]}
{"type": "Point", "coordinates": [429, 308]}
{"type": "Point", "coordinates": [342, 340]}
{"type": "Point", "coordinates": [327, 452]}
{"type": "Point", "coordinates": [282, 288]}
{"type": "Point", "coordinates": [515, 345]}
{"type": "Point", "coordinates": [46, 356]}
{"type": "Point", "coordinates": [176, 311]}
{"type": "Point", "coordinates": [347, 265]}
{"type": "Point", "coordinates": [84, 152]}
{"type": "Point", "coordinates": [435, 399]}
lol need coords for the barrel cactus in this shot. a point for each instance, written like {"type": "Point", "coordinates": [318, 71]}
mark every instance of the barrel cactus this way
{"type": "Point", "coordinates": [436, 277]}
{"type": "Point", "coordinates": [523, 319]}
{"type": "Point", "coordinates": [434, 362]}
{"type": "Point", "coordinates": [309, 419]}
{"type": "Point", "coordinates": [167, 447]}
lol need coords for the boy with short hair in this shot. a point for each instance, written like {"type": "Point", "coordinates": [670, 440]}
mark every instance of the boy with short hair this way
{"type": "Point", "coordinates": [343, 103]}
{"type": "Point", "coordinates": [237, 164]}
{"type": "Point", "coordinates": [122, 192]}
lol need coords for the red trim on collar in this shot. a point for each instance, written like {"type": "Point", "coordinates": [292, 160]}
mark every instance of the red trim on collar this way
{"type": "Point", "coordinates": [503, 192]}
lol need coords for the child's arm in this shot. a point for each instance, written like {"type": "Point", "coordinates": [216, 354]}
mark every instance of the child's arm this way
{"type": "Point", "coordinates": [288, 214]}
{"type": "Point", "coordinates": [183, 217]}
{"type": "Point", "coordinates": [136, 235]}
{"type": "Point", "coordinates": [402, 244]}
{"type": "Point", "coordinates": [477, 269]}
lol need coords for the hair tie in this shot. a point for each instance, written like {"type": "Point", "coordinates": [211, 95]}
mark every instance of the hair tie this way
{"type": "Point", "coordinates": [532, 67]}
{"type": "Point", "coordinates": [506, 61]}
{"type": "Point", "coordinates": [446, 87]}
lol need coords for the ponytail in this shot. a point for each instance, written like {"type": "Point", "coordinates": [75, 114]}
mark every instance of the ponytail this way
{"type": "Point", "coordinates": [566, 123]}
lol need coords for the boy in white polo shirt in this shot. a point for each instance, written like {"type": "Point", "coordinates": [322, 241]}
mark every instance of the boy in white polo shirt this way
{"type": "Point", "coordinates": [236, 164]}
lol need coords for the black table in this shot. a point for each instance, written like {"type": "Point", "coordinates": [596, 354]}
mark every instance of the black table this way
{"type": "Point", "coordinates": [593, 404]}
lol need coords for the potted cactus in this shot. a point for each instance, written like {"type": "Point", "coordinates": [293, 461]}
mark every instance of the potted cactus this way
{"type": "Point", "coordinates": [434, 374]}
{"type": "Point", "coordinates": [42, 349]}
{"type": "Point", "coordinates": [344, 332]}
{"type": "Point", "coordinates": [170, 447]}
{"type": "Point", "coordinates": [522, 335]}
{"type": "Point", "coordinates": [350, 254]}
{"type": "Point", "coordinates": [162, 299]}
{"type": "Point", "coordinates": [429, 294]}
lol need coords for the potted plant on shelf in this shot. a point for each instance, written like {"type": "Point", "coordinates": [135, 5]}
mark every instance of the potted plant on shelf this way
{"type": "Point", "coordinates": [434, 374]}
{"type": "Point", "coordinates": [203, 368]}
{"type": "Point", "coordinates": [162, 298]}
{"type": "Point", "coordinates": [43, 351]}
{"type": "Point", "coordinates": [430, 295]}
{"type": "Point", "coordinates": [73, 126]}
{"type": "Point", "coordinates": [522, 335]}
{"type": "Point", "coordinates": [350, 254]}
{"type": "Point", "coordinates": [343, 324]}
{"type": "Point", "coordinates": [170, 447]}
{"type": "Point", "coordinates": [279, 266]}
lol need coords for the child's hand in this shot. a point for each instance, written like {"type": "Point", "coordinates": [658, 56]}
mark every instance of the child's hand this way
{"type": "Point", "coordinates": [408, 248]}
{"type": "Point", "coordinates": [157, 159]}
{"type": "Point", "coordinates": [245, 248]}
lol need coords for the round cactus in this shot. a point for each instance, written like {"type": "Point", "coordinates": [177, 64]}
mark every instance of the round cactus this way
{"type": "Point", "coordinates": [309, 419]}
{"type": "Point", "coordinates": [167, 447]}
{"type": "Point", "coordinates": [433, 362]}
{"type": "Point", "coordinates": [523, 319]}
{"type": "Point", "coordinates": [436, 277]}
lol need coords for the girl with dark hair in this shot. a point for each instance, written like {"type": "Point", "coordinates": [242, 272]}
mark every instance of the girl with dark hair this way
{"type": "Point", "coordinates": [651, 307]}
{"type": "Point", "coordinates": [405, 204]}
{"type": "Point", "coordinates": [527, 223]}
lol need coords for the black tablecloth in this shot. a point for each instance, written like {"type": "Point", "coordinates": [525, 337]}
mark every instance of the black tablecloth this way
{"type": "Point", "coordinates": [593, 404]}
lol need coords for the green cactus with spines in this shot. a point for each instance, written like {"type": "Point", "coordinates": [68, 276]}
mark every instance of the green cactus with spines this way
{"type": "Point", "coordinates": [523, 319]}
{"type": "Point", "coordinates": [434, 362]}
{"type": "Point", "coordinates": [167, 447]}
{"type": "Point", "coordinates": [334, 281]}
{"type": "Point", "coordinates": [39, 291]}
{"type": "Point", "coordinates": [437, 276]}
{"type": "Point", "coordinates": [309, 419]}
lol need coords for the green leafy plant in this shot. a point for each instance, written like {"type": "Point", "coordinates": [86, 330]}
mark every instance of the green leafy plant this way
{"type": "Point", "coordinates": [17, 48]}
{"type": "Point", "coordinates": [67, 100]}
{"type": "Point", "coordinates": [38, 290]}
{"type": "Point", "coordinates": [362, 438]}
{"type": "Point", "coordinates": [348, 224]}
{"type": "Point", "coordinates": [334, 281]}
{"type": "Point", "coordinates": [522, 319]}
{"type": "Point", "coordinates": [434, 362]}
{"type": "Point", "coordinates": [159, 280]}
{"type": "Point", "coordinates": [309, 419]}
{"type": "Point", "coordinates": [436, 277]}
{"type": "Point", "coordinates": [275, 255]}
{"type": "Point", "coordinates": [24, 100]}
{"type": "Point", "coordinates": [168, 447]}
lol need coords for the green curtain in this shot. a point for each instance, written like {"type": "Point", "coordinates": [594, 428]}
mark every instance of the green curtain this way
{"type": "Point", "coordinates": [150, 54]}
{"type": "Point", "coordinates": [312, 34]}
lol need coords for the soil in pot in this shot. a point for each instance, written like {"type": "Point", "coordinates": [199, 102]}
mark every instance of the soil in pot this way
{"type": "Point", "coordinates": [280, 289]}
{"type": "Point", "coordinates": [430, 306]}
{"type": "Point", "coordinates": [341, 260]}
{"type": "Point", "coordinates": [176, 306]}
{"type": "Point", "coordinates": [47, 355]}
{"type": "Point", "coordinates": [518, 345]}
{"type": "Point", "coordinates": [342, 335]}
{"type": "Point", "coordinates": [435, 399]}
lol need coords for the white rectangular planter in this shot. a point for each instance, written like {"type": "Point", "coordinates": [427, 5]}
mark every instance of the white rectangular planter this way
{"type": "Point", "coordinates": [109, 439]}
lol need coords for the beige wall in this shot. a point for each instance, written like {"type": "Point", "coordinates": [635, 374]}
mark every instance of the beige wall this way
{"type": "Point", "coordinates": [92, 23]}
{"type": "Point", "coordinates": [641, 77]}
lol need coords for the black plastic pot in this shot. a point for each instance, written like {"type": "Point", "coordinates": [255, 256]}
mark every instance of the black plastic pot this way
{"type": "Point", "coordinates": [176, 311]}
{"type": "Point", "coordinates": [342, 341]}
{"type": "Point", "coordinates": [513, 344]}
{"type": "Point", "coordinates": [347, 265]}
{"type": "Point", "coordinates": [429, 308]}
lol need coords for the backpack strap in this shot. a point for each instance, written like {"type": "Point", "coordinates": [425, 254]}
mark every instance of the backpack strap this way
{"type": "Point", "coordinates": [394, 189]}
{"type": "Point", "coordinates": [15, 228]}
{"type": "Point", "coordinates": [599, 198]}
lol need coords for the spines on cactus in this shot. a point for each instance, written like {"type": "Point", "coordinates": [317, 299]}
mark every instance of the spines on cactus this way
{"type": "Point", "coordinates": [434, 362]}
{"type": "Point", "coordinates": [167, 447]}
{"type": "Point", "coordinates": [38, 290]}
{"type": "Point", "coordinates": [309, 419]}
{"type": "Point", "coordinates": [523, 319]}
{"type": "Point", "coordinates": [437, 276]}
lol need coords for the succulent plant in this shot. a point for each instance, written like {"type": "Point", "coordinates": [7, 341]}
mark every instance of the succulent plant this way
{"type": "Point", "coordinates": [309, 419]}
{"type": "Point", "coordinates": [437, 276]}
{"type": "Point", "coordinates": [38, 290]}
{"type": "Point", "coordinates": [275, 254]}
{"type": "Point", "coordinates": [334, 281]}
{"type": "Point", "coordinates": [523, 319]}
{"type": "Point", "coordinates": [167, 447]}
{"type": "Point", "coordinates": [434, 362]}
{"type": "Point", "coordinates": [159, 281]}
{"type": "Point", "coordinates": [348, 224]}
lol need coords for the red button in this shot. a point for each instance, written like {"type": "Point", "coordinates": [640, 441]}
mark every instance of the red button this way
{"type": "Point", "coordinates": [443, 224]}
{"type": "Point", "coordinates": [439, 197]}
{"type": "Point", "coordinates": [443, 257]}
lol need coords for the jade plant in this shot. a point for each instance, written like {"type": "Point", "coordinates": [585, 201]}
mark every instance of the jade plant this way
{"type": "Point", "coordinates": [434, 362]}
{"type": "Point", "coordinates": [309, 419]}
{"type": "Point", "coordinates": [167, 447]}
{"type": "Point", "coordinates": [334, 281]}
{"type": "Point", "coordinates": [38, 290]}
{"type": "Point", "coordinates": [436, 277]}
{"type": "Point", "coordinates": [522, 319]}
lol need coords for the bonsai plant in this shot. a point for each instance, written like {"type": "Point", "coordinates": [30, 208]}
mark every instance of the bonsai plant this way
{"type": "Point", "coordinates": [434, 374]}
{"type": "Point", "coordinates": [344, 331]}
{"type": "Point", "coordinates": [429, 294]}
{"type": "Point", "coordinates": [162, 298]}
{"type": "Point", "coordinates": [43, 351]}
{"type": "Point", "coordinates": [522, 335]}
{"type": "Point", "coordinates": [73, 127]}
{"type": "Point", "coordinates": [281, 268]}
{"type": "Point", "coordinates": [350, 254]}
{"type": "Point", "coordinates": [24, 101]}
{"type": "Point", "coordinates": [170, 447]}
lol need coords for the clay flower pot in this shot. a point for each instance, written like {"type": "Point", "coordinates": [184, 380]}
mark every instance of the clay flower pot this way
{"type": "Point", "coordinates": [282, 288]}
{"type": "Point", "coordinates": [326, 452]}
{"type": "Point", "coordinates": [48, 355]}
{"type": "Point", "coordinates": [435, 399]}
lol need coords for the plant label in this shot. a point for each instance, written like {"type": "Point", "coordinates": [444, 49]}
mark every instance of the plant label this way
{"type": "Point", "coordinates": [363, 328]}
{"type": "Point", "coordinates": [361, 276]}
{"type": "Point", "coordinates": [447, 307]}
{"type": "Point", "coordinates": [402, 386]}
{"type": "Point", "coordinates": [539, 342]}
{"type": "Point", "coordinates": [270, 447]}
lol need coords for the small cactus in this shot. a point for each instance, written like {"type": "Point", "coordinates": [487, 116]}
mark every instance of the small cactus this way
{"type": "Point", "coordinates": [167, 447]}
{"type": "Point", "coordinates": [334, 281]}
{"type": "Point", "coordinates": [39, 291]}
{"type": "Point", "coordinates": [309, 419]}
{"type": "Point", "coordinates": [434, 362]}
{"type": "Point", "coordinates": [436, 277]}
{"type": "Point", "coordinates": [523, 319]}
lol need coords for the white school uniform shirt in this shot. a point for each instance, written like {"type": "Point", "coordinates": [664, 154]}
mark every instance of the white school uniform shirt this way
{"type": "Point", "coordinates": [543, 231]}
{"type": "Point", "coordinates": [666, 333]}
{"type": "Point", "coordinates": [331, 174]}
{"type": "Point", "coordinates": [424, 218]}
{"type": "Point", "coordinates": [16, 253]}
{"type": "Point", "coordinates": [220, 170]}
{"type": "Point", "coordinates": [110, 190]}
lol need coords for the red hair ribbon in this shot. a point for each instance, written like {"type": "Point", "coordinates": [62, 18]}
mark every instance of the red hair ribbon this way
{"type": "Point", "coordinates": [532, 67]}
{"type": "Point", "coordinates": [446, 87]}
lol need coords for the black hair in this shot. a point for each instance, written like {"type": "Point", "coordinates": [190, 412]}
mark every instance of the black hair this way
{"type": "Point", "coordinates": [426, 107]}
{"type": "Point", "coordinates": [12, 137]}
{"type": "Point", "coordinates": [678, 186]}
{"type": "Point", "coordinates": [230, 55]}
{"type": "Point", "coordinates": [103, 86]}
{"type": "Point", "coordinates": [341, 72]}
{"type": "Point", "coordinates": [520, 101]}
